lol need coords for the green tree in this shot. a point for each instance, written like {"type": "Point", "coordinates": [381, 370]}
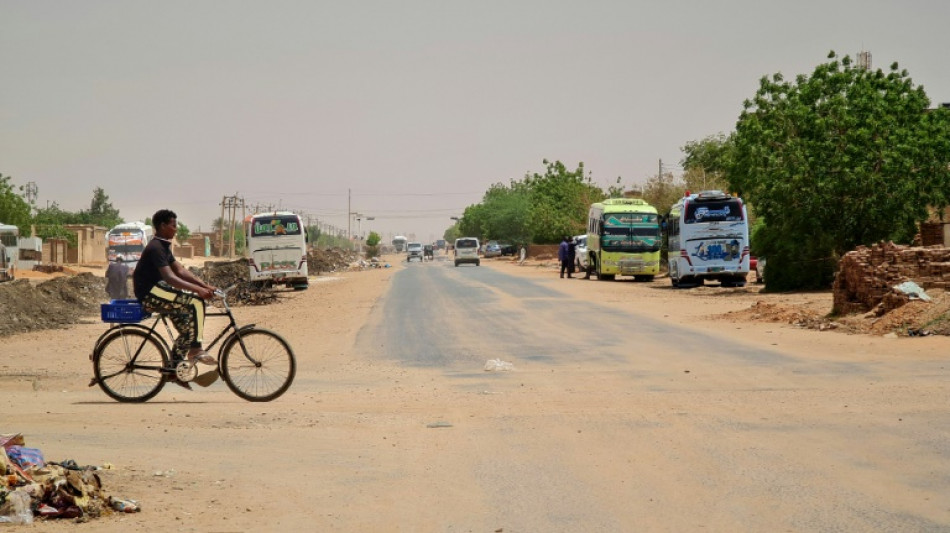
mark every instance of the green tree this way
{"type": "Point", "coordinates": [451, 233]}
{"type": "Point", "coordinates": [14, 210]}
{"type": "Point", "coordinates": [843, 157]}
{"type": "Point", "coordinates": [663, 191]}
{"type": "Point", "coordinates": [101, 211]}
{"type": "Point", "coordinates": [559, 202]}
{"type": "Point", "coordinates": [373, 239]}
{"type": "Point", "coordinates": [183, 232]}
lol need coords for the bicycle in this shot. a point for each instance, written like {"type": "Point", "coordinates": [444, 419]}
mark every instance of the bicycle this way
{"type": "Point", "coordinates": [132, 362]}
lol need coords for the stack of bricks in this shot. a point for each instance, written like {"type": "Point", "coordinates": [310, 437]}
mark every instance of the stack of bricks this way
{"type": "Point", "coordinates": [931, 233]}
{"type": "Point", "coordinates": [867, 276]}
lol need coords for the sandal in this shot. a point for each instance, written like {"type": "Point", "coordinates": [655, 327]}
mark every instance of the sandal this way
{"type": "Point", "coordinates": [202, 357]}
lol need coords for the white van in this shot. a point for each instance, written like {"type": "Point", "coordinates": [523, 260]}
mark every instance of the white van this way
{"type": "Point", "coordinates": [466, 251]}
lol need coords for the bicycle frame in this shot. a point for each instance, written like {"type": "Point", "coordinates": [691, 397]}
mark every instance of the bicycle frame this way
{"type": "Point", "coordinates": [174, 358]}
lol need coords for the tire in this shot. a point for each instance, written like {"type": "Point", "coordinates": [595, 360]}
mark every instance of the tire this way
{"type": "Point", "coordinates": [478, 263]}
{"type": "Point", "coordinates": [120, 377]}
{"type": "Point", "coordinates": [264, 372]}
{"type": "Point", "coordinates": [456, 264]}
{"type": "Point", "coordinates": [644, 278]}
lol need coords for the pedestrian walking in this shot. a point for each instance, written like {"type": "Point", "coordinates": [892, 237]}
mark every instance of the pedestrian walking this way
{"type": "Point", "coordinates": [117, 279]}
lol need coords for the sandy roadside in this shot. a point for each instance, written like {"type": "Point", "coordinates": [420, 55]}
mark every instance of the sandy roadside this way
{"type": "Point", "coordinates": [202, 460]}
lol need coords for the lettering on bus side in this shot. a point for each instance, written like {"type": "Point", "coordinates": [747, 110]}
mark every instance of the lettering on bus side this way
{"type": "Point", "coordinates": [279, 265]}
{"type": "Point", "coordinates": [276, 227]}
{"type": "Point", "coordinates": [717, 250]}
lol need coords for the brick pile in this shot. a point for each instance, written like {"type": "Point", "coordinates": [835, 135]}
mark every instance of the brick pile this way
{"type": "Point", "coordinates": [867, 276]}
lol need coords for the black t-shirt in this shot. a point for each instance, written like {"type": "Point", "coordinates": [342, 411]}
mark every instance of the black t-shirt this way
{"type": "Point", "coordinates": [157, 254]}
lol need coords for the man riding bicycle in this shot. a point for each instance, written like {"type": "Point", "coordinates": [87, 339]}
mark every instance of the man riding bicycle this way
{"type": "Point", "coordinates": [164, 286]}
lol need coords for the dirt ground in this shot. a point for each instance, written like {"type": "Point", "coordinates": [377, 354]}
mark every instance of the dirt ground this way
{"type": "Point", "coordinates": [227, 481]}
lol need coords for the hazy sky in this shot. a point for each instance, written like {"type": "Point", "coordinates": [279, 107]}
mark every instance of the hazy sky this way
{"type": "Point", "coordinates": [416, 107]}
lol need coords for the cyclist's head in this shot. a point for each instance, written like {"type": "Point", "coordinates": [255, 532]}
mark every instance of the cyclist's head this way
{"type": "Point", "coordinates": [162, 216]}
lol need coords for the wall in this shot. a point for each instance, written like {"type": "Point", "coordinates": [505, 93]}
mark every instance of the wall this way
{"type": "Point", "coordinates": [90, 244]}
{"type": "Point", "coordinates": [866, 276]}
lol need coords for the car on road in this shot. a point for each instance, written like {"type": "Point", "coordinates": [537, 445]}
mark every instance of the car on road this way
{"type": "Point", "coordinates": [414, 251]}
{"type": "Point", "coordinates": [580, 252]}
{"type": "Point", "coordinates": [466, 251]}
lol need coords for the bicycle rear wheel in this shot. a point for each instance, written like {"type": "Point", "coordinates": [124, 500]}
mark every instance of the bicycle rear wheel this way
{"type": "Point", "coordinates": [128, 365]}
{"type": "Point", "coordinates": [258, 365]}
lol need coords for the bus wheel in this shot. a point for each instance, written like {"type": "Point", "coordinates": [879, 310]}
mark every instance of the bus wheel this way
{"type": "Point", "coordinates": [643, 278]}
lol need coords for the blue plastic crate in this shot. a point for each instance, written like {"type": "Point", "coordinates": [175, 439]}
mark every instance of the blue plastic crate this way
{"type": "Point", "coordinates": [123, 311]}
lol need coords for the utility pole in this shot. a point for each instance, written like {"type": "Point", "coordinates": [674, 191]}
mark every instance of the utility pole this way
{"type": "Point", "coordinates": [349, 214]}
{"type": "Point", "coordinates": [230, 203]}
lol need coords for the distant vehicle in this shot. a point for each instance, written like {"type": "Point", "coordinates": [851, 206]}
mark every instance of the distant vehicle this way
{"type": "Point", "coordinates": [709, 239]}
{"type": "Point", "coordinates": [492, 250]}
{"type": "Point", "coordinates": [440, 244]}
{"type": "Point", "coordinates": [128, 240]}
{"type": "Point", "coordinates": [399, 243]}
{"type": "Point", "coordinates": [428, 252]}
{"type": "Point", "coordinates": [580, 252]}
{"type": "Point", "coordinates": [508, 249]}
{"type": "Point", "coordinates": [466, 251]}
{"type": "Point", "coordinates": [277, 249]}
{"type": "Point", "coordinates": [414, 251]}
{"type": "Point", "coordinates": [9, 251]}
{"type": "Point", "coordinates": [623, 239]}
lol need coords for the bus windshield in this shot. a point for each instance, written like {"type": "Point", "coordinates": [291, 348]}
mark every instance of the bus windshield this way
{"type": "Point", "coordinates": [631, 232]}
{"type": "Point", "coordinates": [276, 225]}
{"type": "Point", "coordinates": [729, 210]}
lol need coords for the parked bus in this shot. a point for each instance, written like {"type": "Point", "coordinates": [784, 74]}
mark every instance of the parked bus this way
{"type": "Point", "coordinates": [709, 240]}
{"type": "Point", "coordinates": [623, 239]}
{"type": "Point", "coordinates": [128, 240]}
{"type": "Point", "coordinates": [9, 251]}
{"type": "Point", "coordinates": [399, 243]}
{"type": "Point", "coordinates": [277, 249]}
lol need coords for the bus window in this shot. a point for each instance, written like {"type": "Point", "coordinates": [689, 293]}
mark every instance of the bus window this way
{"type": "Point", "coordinates": [713, 211]}
{"type": "Point", "coordinates": [276, 225]}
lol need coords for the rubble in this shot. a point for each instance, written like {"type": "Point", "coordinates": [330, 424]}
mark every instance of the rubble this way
{"type": "Point", "coordinates": [52, 304]}
{"type": "Point", "coordinates": [867, 277]}
{"type": "Point", "coordinates": [235, 275]}
{"type": "Point", "coordinates": [330, 260]}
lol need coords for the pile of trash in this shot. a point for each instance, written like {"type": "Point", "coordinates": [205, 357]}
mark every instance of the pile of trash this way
{"type": "Point", "coordinates": [55, 303]}
{"type": "Point", "coordinates": [32, 487]}
{"type": "Point", "coordinates": [329, 260]}
{"type": "Point", "coordinates": [225, 274]}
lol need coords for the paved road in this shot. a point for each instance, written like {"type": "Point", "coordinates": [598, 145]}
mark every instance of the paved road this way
{"type": "Point", "coordinates": [619, 420]}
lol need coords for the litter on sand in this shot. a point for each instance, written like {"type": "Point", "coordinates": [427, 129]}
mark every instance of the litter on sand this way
{"type": "Point", "coordinates": [497, 365]}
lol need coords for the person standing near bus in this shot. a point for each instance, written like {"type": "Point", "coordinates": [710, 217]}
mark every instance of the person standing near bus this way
{"type": "Point", "coordinates": [117, 279]}
{"type": "Point", "coordinates": [562, 255]}
{"type": "Point", "coordinates": [164, 286]}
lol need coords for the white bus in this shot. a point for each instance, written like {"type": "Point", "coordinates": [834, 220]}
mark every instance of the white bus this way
{"type": "Point", "coordinates": [277, 249]}
{"type": "Point", "coordinates": [9, 251]}
{"type": "Point", "coordinates": [128, 240]}
{"type": "Point", "coordinates": [709, 239]}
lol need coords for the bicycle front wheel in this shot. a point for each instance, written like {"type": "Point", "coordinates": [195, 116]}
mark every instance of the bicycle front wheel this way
{"type": "Point", "coordinates": [258, 365]}
{"type": "Point", "coordinates": [128, 365]}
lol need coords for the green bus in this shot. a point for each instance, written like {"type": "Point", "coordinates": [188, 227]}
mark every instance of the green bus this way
{"type": "Point", "coordinates": [623, 239]}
